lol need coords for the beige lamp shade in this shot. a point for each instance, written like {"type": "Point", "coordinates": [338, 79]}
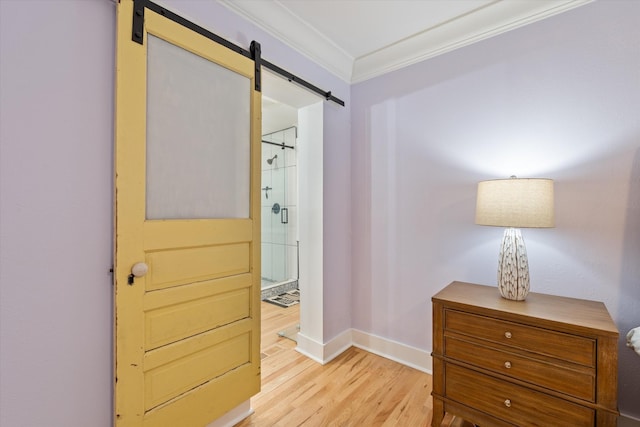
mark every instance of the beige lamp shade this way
{"type": "Point", "coordinates": [515, 202]}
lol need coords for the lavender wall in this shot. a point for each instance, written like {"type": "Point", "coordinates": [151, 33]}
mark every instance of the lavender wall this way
{"type": "Point", "coordinates": [560, 99]}
{"type": "Point", "coordinates": [336, 213]}
{"type": "Point", "coordinates": [56, 131]}
{"type": "Point", "coordinates": [56, 173]}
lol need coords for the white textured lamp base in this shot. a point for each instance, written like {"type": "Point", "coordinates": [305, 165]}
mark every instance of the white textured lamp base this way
{"type": "Point", "coordinates": [513, 267]}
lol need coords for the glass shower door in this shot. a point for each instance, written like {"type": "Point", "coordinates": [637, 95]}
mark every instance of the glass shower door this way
{"type": "Point", "coordinates": [274, 230]}
{"type": "Point", "coordinates": [279, 244]}
{"type": "Point", "coordinates": [279, 208]}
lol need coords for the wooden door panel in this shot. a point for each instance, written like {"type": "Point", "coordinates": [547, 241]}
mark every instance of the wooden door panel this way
{"type": "Point", "coordinates": [205, 400]}
{"type": "Point", "coordinates": [191, 345]}
{"type": "Point", "coordinates": [169, 324]}
{"type": "Point", "coordinates": [189, 233]}
{"type": "Point", "coordinates": [176, 267]}
{"type": "Point", "coordinates": [183, 374]}
{"type": "Point", "coordinates": [170, 296]}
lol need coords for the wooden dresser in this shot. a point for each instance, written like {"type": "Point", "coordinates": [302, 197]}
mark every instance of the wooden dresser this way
{"type": "Point", "coordinates": [546, 361]}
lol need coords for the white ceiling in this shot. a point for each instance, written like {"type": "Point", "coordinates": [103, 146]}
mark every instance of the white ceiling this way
{"type": "Point", "coordinates": [360, 39]}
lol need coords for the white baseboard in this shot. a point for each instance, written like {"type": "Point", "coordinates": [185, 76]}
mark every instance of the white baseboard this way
{"type": "Point", "coordinates": [310, 348]}
{"type": "Point", "coordinates": [398, 352]}
{"type": "Point", "coordinates": [628, 421]}
{"type": "Point", "coordinates": [234, 416]}
{"type": "Point", "coordinates": [324, 353]}
{"type": "Point", "coordinates": [337, 345]}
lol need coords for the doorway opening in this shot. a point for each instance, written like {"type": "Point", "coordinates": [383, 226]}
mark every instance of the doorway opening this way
{"type": "Point", "coordinates": [289, 115]}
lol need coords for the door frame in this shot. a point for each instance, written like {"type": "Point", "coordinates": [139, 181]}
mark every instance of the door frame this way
{"type": "Point", "coordinates": [310, 207]}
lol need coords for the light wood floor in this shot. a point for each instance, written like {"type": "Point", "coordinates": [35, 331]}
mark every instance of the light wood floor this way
{"type": "Point", "coordinates": [357, 388]}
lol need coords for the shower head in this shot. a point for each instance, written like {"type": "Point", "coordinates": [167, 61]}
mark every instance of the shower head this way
{"type": "Point", "coordinates": [269, 161]}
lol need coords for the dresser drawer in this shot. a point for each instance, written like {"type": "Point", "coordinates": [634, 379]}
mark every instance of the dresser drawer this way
{"type": "Point", "coordinates": [555, 344]}
{"type": "Point", "coordinates": [574, 380]}
{"type": "Point", "coordinates": [519, 405]}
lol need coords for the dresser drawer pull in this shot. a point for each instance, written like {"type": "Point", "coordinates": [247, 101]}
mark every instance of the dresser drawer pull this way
{"type": "Point", "coordinates": [507, 334]}
{"type": "Point", "coordinates": [507, 403]}
{"type": "Point", "coordinates": [507, 364]}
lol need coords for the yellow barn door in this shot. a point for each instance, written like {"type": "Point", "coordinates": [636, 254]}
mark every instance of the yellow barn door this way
{"type": "Point", "coordinates": [187, 225]}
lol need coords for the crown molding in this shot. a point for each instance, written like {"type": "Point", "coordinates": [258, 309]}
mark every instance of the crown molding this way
{"type": "Point", "coordinates": [495, 18]}
{"type": "Point", "coordinates": [280, 22]}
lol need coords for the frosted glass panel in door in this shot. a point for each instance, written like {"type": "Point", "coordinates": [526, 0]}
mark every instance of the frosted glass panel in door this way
{"type": "Point", "coordinates": [198, 136]}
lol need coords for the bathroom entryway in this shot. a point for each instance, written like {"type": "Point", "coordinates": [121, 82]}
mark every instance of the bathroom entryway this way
{"type": "Point", "coordinates": [293, 116]}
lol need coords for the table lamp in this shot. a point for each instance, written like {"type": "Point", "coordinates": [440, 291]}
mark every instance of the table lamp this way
{"type": "Point", "coordinates": [514, 203]}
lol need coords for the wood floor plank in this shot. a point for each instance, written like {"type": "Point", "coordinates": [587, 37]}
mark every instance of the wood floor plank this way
{"type": "Point", "coordinates": [357, 388]}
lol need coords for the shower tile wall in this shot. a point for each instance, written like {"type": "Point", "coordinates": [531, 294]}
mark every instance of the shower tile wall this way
{"type": "Point", "coordinates": [279, 240]}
